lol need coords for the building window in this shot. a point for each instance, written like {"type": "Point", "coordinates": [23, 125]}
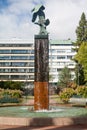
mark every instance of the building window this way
{"type": "Point", "coordinates": [4, 57]}
{"type": "Point", "coordinates": [69, 57]}
{"type": "Point", "coordinates": [19, 51]}
{"type": "Point", "coordinates": [60, 57]}
{"type": "Point", "coordinates": [31, 58]}
{"type": "Point", "coordinates": [61, 51]}
{"type": "Point", "coordinates": [19, 57]}
{"type": "Point", "coordinates": [20, 64]}
{"type": "Point", "coordinates": [31, 70]}
{"type": "Point", "coordinates": [4, 77]}
{"type": "Point", "coordinates": [4, 51]}
{"type": "Point", "coordinates": [4, 64]}
{"type": "Point", "coordinates": [31, 64]}
{"type": "Point", "coordinates": [31, 77]}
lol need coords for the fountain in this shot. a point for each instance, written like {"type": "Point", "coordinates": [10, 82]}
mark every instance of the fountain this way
{"type": "Point", "coordinates": [41, 92]}
{"type": "Point", "coordinates": [42, 115]}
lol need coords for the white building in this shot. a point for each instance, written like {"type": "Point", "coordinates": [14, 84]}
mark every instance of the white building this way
{"type": "Point", "coordinates": [61, 53]}
{"type": "Point", "coordinates": [17, 59]}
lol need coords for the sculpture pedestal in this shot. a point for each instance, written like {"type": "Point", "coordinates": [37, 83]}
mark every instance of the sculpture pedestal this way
{"type": "Point", "coordinates": [41, 91]}
{"type": "Point", "coordinates": [41, 99]}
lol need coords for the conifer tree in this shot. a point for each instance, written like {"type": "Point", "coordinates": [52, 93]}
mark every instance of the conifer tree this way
{"type": "Point", "coordinates": [64, 77]}
{"type": "Point", "coordinates": [81, 33]}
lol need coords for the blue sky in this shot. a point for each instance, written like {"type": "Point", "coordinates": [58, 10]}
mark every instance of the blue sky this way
{"type": "Point", "coordinates": [4, 3]}
{"type": "Point", "coordinates": [64, 15]}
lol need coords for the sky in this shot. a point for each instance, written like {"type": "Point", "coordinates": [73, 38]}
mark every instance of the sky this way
{"type": "Point", "coordinates": [64, 16]}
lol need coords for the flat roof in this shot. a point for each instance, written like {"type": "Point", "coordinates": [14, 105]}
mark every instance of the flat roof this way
{"type": "Point", "coordinates": [25, 41]}
{"type": "Point", "coordinates": [15, 41]}
{"type": "Point", "coordinates": [61, 41]}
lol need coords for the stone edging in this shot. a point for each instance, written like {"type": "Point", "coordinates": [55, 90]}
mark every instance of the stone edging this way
{"type": "Point", "coordinates": [43, 121]}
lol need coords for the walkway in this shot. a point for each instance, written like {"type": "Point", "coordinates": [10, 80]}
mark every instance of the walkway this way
{"type": "Point", "coordinates": [76, 127]}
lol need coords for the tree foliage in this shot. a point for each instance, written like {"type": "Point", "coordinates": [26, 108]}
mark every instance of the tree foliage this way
{"type": "Point", "coordinates": [11, 85]}
{"type": "Point", "coordinates": [81, 57]}
{"type": "Point", "coordinates": [79, 79]}
{"type": "Point", "coordinates": [64, 77]}
{"type": "Point", "coordinates": [81, 31]}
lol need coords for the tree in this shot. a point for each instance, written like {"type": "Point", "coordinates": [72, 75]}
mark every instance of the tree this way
{"type": "Point", "coordinates": [81, 57]}
{"type": "Point", "coordinates": [64, 77]}
{"type": "Point", "coordinates": [81, 31]}
{"type": "Point", "coordinates": [79, 79]}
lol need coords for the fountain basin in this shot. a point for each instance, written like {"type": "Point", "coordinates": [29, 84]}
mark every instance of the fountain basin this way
{"type": "Point", "coordinates": [27, 112]}
{"type": "Point", "coordinates": [22, 116]}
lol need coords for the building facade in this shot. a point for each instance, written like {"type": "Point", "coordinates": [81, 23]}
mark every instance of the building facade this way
{"type": "Point", "coordinates": [17, 59]}
{"type": "Point", "coordinates": [61, 54]}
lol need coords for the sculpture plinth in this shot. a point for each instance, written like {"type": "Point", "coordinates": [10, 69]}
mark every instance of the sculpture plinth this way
{"type": "Point", "coordinates": [41, 91]}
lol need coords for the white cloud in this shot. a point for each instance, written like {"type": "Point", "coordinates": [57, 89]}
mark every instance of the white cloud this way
{"type": "Point", "coordinates": [64, 15]}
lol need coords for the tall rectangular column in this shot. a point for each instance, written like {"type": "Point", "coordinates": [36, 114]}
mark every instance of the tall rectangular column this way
{"type": "Point", "coordinates": [41, 90]}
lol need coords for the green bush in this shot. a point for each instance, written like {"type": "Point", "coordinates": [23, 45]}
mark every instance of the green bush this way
{"type": "Point", "coordinates": [12, 93]}
{"type": "Point", "coordinates": [66, 94]}
{"type": "Point", "coordinates": [10, 96]}
{"type": "Point", "coordinates": [11, 85]}
{"type": "Point", "coordinates": [16, 93]}
{"type": "Point", "coordinates": [9, 100]}
{"type": "Point", "coordinates": [82, 91]}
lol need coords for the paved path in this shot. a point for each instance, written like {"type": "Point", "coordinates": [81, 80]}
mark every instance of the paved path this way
{"type": "Point", "coordinates": [76, 127]}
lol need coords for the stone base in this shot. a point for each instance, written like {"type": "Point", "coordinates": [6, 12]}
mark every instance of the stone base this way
{"type": "Point", "coordinates": [41, 96]}
{"type": "Point", "coordinates": [42, 121]}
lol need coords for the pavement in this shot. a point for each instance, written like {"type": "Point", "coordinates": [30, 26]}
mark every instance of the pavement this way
{"type": "Point", "coordinates": [75, 127]}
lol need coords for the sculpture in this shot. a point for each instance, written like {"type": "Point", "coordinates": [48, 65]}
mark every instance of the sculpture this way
{"type": "Point", "coordinates": [42, 22]}
{"type": "Point", "coordinates": [41, 73]}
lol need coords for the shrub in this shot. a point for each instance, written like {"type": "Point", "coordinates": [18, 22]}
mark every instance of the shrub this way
{"type": "Point", "coordinates": [66, 94]}
{"type": "Point", "coordinates": [11, 85]}
{"type": "Point", "coordinates": [72, 85]}
{"type": "Point", "coordinates": [82, 91]}
{"type": "Point", "coordinates": [16, 93]}
{"type": "Point", "coordinates": [10, 96]}
{"type": "Point", "coordinates": [8, 99]}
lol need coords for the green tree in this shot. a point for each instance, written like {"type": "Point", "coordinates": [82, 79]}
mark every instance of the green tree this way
{"type": "Point", "coordinates": [79, 79]}
{"type": "Point", "coordinates": [81, 57]}
{"type": "Point", "coordinates": [64, 77]}
{"type": "Point", "coordinates": [81, 33]}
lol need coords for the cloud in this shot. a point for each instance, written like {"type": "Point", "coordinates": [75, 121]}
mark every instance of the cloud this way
{"type": "Point", "coordinates": [64, 17]}
{"type": "Point", "coordinates": [15, 18]}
